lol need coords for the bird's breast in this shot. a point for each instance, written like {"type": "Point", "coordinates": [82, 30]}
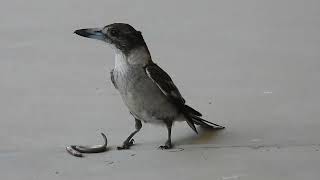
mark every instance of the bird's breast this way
{"type": "Point", "coordinates": [141, 95]}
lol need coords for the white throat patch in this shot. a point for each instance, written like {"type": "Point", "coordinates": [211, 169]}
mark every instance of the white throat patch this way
{"type": "Point", "coordinates": [138, 56]}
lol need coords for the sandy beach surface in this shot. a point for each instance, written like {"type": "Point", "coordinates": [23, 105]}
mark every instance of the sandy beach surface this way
{"type": "Point", "coordinates": [252, 66]}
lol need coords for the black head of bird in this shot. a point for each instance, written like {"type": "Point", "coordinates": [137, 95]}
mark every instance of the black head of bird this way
{"type": "Point", "coordinates": [122, 36]}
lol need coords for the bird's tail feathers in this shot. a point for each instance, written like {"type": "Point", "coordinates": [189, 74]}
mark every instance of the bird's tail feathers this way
{"type": "Point", "coordinates": [190, 110]}
{"type": "Point", "coordinates": [190, 122]}
{"type": "Point", "coordinates": [194, 117]}
{"type": "Point", "coordinates": [204, 123]}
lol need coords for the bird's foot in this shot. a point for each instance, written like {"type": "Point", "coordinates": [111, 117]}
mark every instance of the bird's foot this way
{"type": "Point", "coordinates": [168, 145]}
{"type": "Point", "coordinates": [126, 145]}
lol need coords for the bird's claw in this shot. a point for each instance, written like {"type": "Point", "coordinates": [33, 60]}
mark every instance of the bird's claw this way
{"type": "Point", "coordinates": [166, 146]}
{"type": "Point", "coordinates": [126, 145]}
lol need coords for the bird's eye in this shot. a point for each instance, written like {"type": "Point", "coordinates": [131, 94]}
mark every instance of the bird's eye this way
{"type": "Point", "coordinates": [114, 32]}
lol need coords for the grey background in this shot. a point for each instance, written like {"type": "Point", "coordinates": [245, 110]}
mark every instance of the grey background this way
{"type": "Point", "coordinates": [252, 66]}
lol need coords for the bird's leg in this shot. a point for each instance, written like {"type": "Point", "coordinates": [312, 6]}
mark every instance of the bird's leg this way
{"type": "Point", "coordinates": [129, 141]}
{"type": "Point", "coordinates": [168, 144]}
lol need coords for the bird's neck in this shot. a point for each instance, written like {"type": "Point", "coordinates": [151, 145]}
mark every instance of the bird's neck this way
{"type": "Point", "coordinates": [138, 56]}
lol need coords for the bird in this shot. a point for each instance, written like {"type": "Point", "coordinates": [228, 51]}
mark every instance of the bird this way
{"type": "Point", "coordinates": [145, 88]}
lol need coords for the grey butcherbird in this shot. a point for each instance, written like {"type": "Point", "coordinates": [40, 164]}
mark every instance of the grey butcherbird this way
{"type": "Point", "coordinates": [146, 89]}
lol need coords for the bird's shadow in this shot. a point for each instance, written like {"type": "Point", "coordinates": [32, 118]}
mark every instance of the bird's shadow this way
{"type": "Point", "coordinates": [205, 136]}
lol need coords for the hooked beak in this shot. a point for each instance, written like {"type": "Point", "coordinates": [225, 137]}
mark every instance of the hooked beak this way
{"type": "Point", "coordinates": [93, 33]}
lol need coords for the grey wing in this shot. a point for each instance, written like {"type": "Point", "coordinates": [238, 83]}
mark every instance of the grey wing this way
{"type": "Point", "coordinates": [112, 79]}
{"type": "Point", "coordinates": [165, 83]}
